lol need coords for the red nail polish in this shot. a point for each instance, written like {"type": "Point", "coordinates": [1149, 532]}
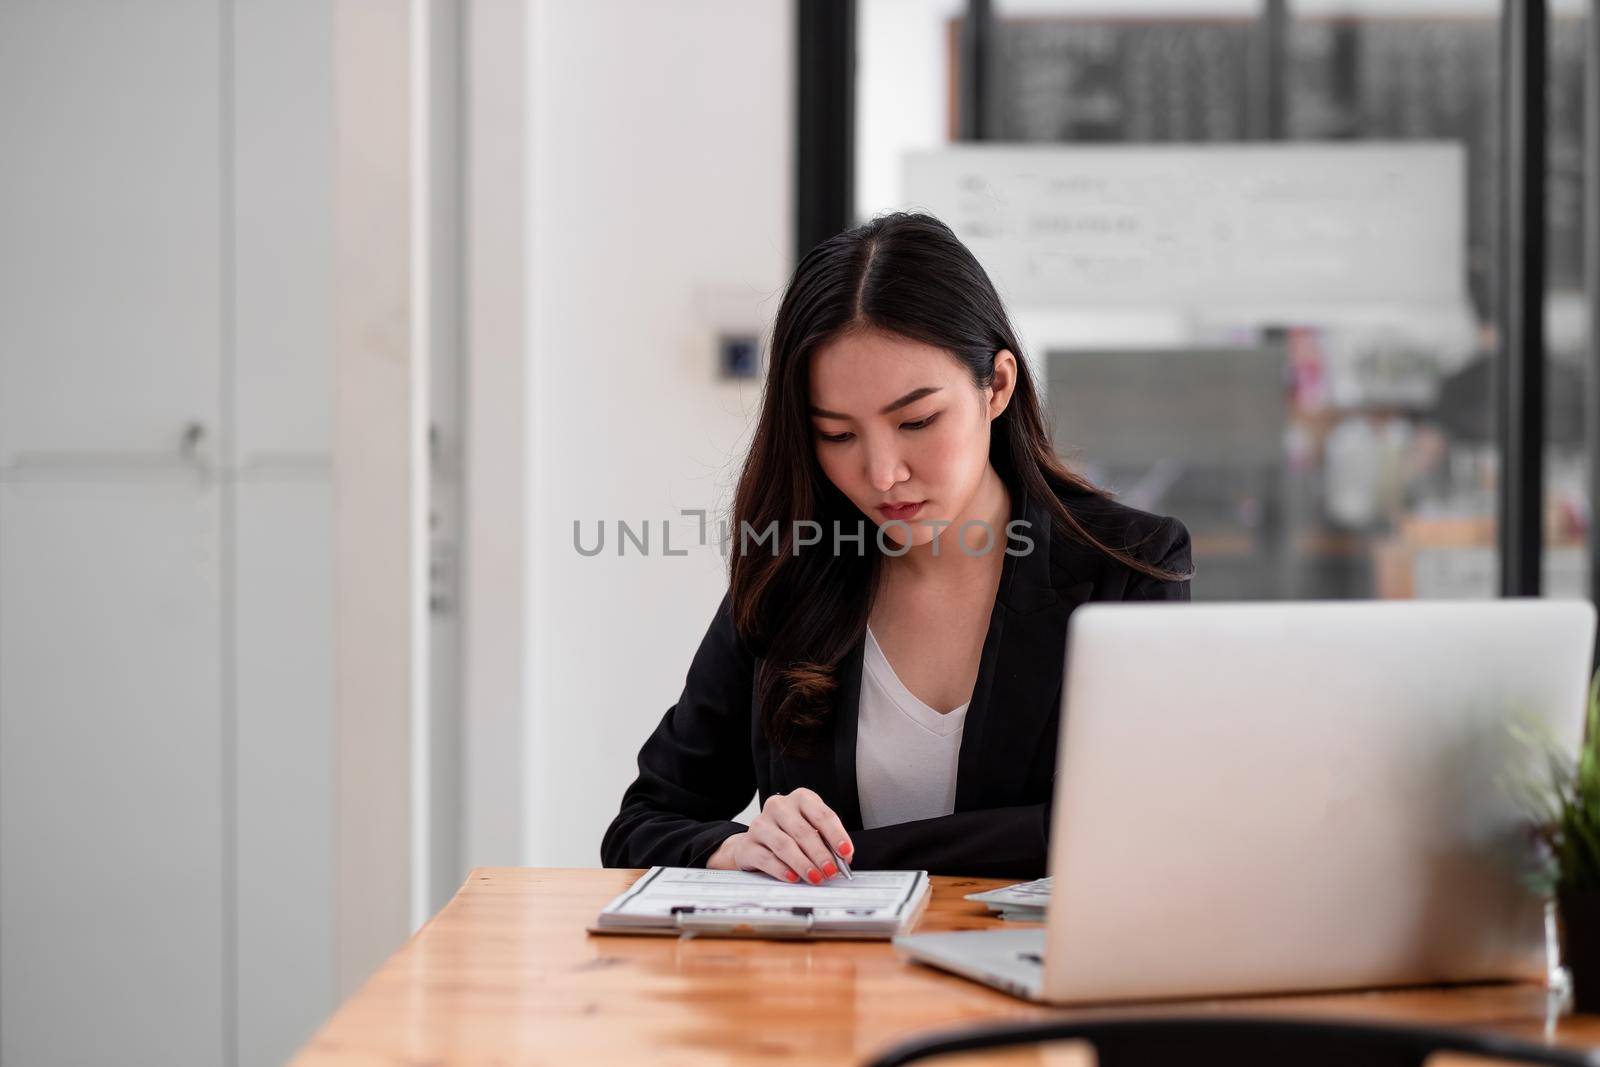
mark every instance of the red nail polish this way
{"type": "Point", "coordinates": [845, 849]}
{"type": "Point", "coordinates": [830, 870]}
{"type": "Point", "coordinates": [814, 876]}
{"type": "Point", "coordinates": [791, 876]}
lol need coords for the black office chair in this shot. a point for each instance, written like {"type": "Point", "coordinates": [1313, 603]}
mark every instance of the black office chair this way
{"type": "Point", "coordinates": [1170, 1042]}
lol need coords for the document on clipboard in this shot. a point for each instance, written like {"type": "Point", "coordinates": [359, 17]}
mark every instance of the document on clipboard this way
{"type": "Point", "coordinates": [693, 901]}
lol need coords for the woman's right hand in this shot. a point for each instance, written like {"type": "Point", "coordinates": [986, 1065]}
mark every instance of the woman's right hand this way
{"type": "Point", "coordinates": [787, 840]}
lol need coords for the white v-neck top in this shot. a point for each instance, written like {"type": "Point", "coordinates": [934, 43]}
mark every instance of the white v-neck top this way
{"type": "Point", "coordinates": [906, 752]}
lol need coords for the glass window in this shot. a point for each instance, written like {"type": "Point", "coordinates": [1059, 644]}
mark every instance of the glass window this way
{"type": "Point", "coordinates": [1251, 250]}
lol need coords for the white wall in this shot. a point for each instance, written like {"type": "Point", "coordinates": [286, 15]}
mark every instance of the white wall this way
{"type": "Point", "coordinates": [380, 389]}
{"type": "Point", "coordinates": [494, 447]}
{"type": "Point", "coordinates": [445, 152]}
{"type": "Point", "coordinates": [660, 165]}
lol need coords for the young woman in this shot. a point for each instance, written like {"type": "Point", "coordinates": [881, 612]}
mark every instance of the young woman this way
{"type": "Point", "coordinates": [885, 669]}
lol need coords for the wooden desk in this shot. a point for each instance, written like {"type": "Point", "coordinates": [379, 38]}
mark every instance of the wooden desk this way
{"type": "Point", "coordinates": [505, 974]}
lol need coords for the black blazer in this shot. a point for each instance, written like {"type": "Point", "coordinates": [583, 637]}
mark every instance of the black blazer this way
{"type": "Point", "coordinates": [709, 754]}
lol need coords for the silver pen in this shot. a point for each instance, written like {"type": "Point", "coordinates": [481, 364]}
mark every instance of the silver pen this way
{"type": "Point", "coordinates": [839, 860]}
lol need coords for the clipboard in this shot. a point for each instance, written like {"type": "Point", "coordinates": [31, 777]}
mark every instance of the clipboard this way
{"type": "Point", "coordinates": [693, 902]}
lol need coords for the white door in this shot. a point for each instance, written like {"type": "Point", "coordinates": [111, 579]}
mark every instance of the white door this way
{"type": "Point", "coordinates": [282, 594]}
{"type": "Point", "coordinates": [109, 222]}
{"type": "Point", "coordinates": [112, 946]}
{"type": "Point", "coordinates": [283, 607]}
{"type": "Point", "coordinates": [116, 927]}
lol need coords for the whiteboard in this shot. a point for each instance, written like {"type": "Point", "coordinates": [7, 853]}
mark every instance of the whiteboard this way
{"type": "Point", "coordinates": [1196, 226]}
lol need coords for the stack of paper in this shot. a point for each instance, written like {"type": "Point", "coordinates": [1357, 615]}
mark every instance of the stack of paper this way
{"type": "Point", "coordinates": [1023, 902]}
{"type": "Point", "coordinates": [693, 900]}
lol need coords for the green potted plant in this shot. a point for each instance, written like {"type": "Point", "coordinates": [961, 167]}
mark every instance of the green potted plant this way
{"type": "Point", "coordinates": [1566, 822]}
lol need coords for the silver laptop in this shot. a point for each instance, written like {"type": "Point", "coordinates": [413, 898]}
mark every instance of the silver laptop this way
{"type": "Point", "coordinates": [1256, 798]}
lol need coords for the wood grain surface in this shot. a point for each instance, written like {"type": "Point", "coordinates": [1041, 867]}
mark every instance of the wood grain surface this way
{"type": "Point", "coordinates": [507, 974]}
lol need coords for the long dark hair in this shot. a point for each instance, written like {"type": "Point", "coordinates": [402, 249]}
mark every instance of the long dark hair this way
{"type": "Point", "coordinates": [905, 274]}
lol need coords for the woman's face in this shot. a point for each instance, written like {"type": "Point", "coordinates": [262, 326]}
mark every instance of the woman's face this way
{"type": "Point", "coordinates": [899, 422]}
